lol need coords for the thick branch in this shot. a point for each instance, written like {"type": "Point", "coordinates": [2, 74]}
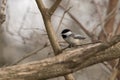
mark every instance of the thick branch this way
{"type": "Point", "coordinates": [49, 28]}
{"type": "Point", "coordinates": [67, 62]}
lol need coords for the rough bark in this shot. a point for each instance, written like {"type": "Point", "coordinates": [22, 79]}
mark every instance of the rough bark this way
{"type": "Point", "coordinates": [2, 20]}
{"type": "Point", "coordinates": [67, 62]}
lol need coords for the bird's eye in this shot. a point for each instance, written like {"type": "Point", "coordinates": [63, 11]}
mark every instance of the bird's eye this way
{"type": "Point", "coordinates": [64, 36]}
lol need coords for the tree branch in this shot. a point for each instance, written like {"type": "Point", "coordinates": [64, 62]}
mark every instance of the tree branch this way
{"type": "Point", "coordinates": [108, 27]}
{"type": "Point", "coordinates": [49, 28]}
{"type": "Point", "coordinates": [67, 62]}
{"type": "Point", "coordinates": [89, 34]}
{"type": "Point", "coordinates": [54, 7]}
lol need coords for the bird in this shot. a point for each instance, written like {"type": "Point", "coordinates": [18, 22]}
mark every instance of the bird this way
{"type": "Point", "coordinates": [71, 38]}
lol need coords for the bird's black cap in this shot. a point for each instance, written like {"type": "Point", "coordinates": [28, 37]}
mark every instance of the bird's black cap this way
{"type": "Point", "coordinates": [65, 31]}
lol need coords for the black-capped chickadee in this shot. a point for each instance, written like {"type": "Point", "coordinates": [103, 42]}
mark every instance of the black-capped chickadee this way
{"type": "Point", "coordinates": [71, 38]}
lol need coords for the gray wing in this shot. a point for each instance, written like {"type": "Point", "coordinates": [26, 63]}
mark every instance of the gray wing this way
{"type": "Point", "coordinates": [79, 37]}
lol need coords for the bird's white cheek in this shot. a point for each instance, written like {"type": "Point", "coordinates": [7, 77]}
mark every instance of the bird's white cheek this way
{"type": "Point", "coordinates": [68, 33]}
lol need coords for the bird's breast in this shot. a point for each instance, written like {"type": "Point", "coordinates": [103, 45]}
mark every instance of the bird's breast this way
{"type": "Point", "coordinates": [73, 41]}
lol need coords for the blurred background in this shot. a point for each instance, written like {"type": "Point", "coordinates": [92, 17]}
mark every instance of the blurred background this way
{"type": "Point", "coordinates": [24, 31]}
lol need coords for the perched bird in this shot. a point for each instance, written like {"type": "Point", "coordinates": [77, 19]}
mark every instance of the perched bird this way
{"type": "Point", "coordinates": [71, 38]}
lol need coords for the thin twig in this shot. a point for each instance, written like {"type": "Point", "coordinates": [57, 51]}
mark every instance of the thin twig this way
{"type": "Point", "coordinates": [100, 17]}
{"type": "Point", "coordinates": [62, 18]}
{"type": "Point", "coordinates": [115, 70]}
{"type": "Point", "coordinates": [108, 66]}
{"type": "Point", "coordinates": [89, 34]}
{"type": "Point", "coordinates": [117, 29]}
{"type": "Point", "coordinates": [110, 15]}
{"type": "Point", "coordinates": [22, 25]}
{"type": "Point", "coordinates": [30, 54]}
{"type": "Point", "coordinates": [98, 9]}
{"type": "Point", "coordinates": [82, 45]}
{"type": "Point", "coordinates": [67, 9]}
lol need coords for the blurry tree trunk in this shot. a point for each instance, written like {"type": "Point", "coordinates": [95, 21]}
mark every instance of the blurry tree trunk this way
{"type": "Point", "coordinates": [108, 28]}
{"type": "Point", "coordinates": [2, 19]}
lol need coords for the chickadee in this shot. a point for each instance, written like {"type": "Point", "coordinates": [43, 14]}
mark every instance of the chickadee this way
{"type": "Point", "coordinates": [71, 38]}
